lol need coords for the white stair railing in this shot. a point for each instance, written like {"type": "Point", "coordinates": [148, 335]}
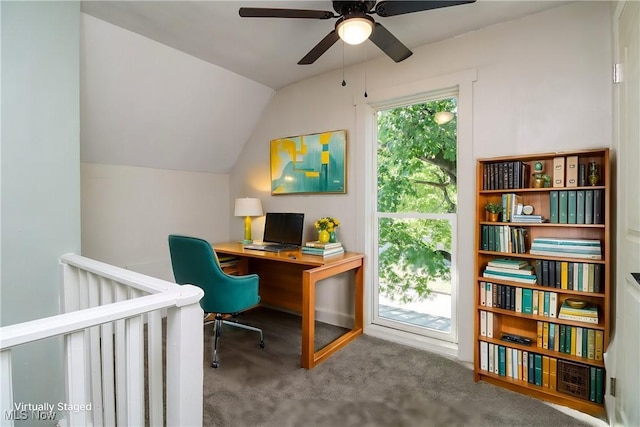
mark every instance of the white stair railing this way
{"type": "Point", "coordinates": [105, 310]}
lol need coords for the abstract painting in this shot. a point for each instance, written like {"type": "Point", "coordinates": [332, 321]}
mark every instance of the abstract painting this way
{"type": "Point", "coordinates": [314, 163]}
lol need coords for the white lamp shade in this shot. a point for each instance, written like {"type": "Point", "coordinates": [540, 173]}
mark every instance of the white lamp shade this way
{"type": "Point", "coordinates": [248, 207]}
{"type": "Point", "coordinates": [355, 30]}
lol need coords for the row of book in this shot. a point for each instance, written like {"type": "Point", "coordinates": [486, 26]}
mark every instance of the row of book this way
{"type": "Point", "coordinates": [576, 207]}
{"type": "Point", "coordinates": [566, 248]}
{"type": "Point", "coordinates": [586, 382]}
{"type": "Point", "coordinates": [503, 238]}
{"type": "Point", "coordinates": [519, 300]}
{"type": "Point", "coordinates": [573, 276]}
{"type": "Point", "coordinates": [322, 249]}
{"type": "Point", "coordinates": [505, 175]}
{"type": "Point", "coordinates": [575, 340]}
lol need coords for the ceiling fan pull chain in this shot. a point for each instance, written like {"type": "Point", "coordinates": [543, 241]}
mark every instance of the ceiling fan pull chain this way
{"type": "Point", "coordinates": [366, 66]}
{"type": "Point", "coordinates": [343, 82]}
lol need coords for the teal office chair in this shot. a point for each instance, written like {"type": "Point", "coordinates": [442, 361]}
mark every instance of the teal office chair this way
{"type": "Point", "coordinates": [194, 262]}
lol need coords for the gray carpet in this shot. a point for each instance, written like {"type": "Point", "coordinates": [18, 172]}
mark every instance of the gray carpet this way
{"type": "Point", "coordinates": [371, 382]}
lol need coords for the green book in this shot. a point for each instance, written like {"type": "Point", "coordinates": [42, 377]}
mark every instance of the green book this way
{"type": "Point", "coordinates": [563, 207]}
{"type": "Point", "coordinates": [567, 339]}
{"type": "Point", "coordinates": [571, 207]}
{"type": "Point", "coordinates": [580, 207]}
{"type": "Point", "coordinates": [502, 361]}
{"type": "Point", "coordinates": [527, 301]}
{"type": "Point", "coordinates": [588, 207]}
{"type": "Point", "coordinates": [552, 335]}
{"type": "Point", "coordinates": [580, 277]}
{"type": "Point", "coordinates": [585, 343]}
{"type": "Point", "coordinates": [484, 244]}
{"type": "Point", "coordinates": [599, 381]}
{"type": "Point", "coordinates": [491, 238]}
{"type": "Point", "coordinates": [538, 369]}
{"type": "Point", "coordinates": [553, 207]}
{"type": "Point", "coordinates": [532, 369]}
{"type": "Point", "coordinates": [545, 308]}
{"type": "Point", "coordinates": [563, 334]}
{"type": "Point", "coordinates": [592, 383]}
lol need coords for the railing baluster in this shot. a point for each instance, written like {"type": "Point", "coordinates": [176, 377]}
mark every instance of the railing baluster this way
{"type": "Point", "coordinates": [135, 371]}
{"type": "Point", "coordinates": [154, 370]}
{"type": "Point", "coordinates": [76, 378]}
{"type": "Point", "coordinates": [120, 361]}
{"type": "Point", "coordinates": [95, 366]}
{"type": "Point", "coordinates": [183, 343]}
{"type": "Point", "coordinates": [6, 389]}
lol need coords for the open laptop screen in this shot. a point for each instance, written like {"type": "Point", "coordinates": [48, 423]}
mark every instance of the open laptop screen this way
{"type": "Point", "coordinates": [284, 228]}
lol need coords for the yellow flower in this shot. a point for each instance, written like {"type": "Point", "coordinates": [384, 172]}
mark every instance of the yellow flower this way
{"type": "Point", "coordinates": [327, 223]}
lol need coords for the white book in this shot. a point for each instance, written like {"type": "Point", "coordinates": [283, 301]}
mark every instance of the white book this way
{"type": "Point", "coordinates": [496, 359]}
{"type": "Point", "coordinates": [483, 323]}
{"type": "Point", "coordinates": [518, 300]}
{"type": "Point", "coordinates": [483, 294]}
{"type": "Point", "coordinates": [489, 324]}
{"type": "Point", "coordinates": [553, 304]}
{"type": "Point", "coordinates": [509, 362]}
{"type": "Point", "coordinates": [579, 333]}
{"type": "Point", "coordinates": [491, 356]}
{"type": "Point", "coordinates": [576, 275]}
{"type": "Point", "coordinates": [564, 316]}
{"type": "Point", "coordinates": [484, 355]}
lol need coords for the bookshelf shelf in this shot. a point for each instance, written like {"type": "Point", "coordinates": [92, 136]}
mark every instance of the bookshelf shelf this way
{"type": "Point", "coordinates": [576, 242]}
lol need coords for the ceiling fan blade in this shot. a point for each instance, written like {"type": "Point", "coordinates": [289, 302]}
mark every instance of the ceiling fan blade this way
{"type": "Point", "coordinates": [389, 44]}
{"type": "Point", "coordinates": [320, 48]}
{"type": "Point", "coordinates": [260, 12]}
{"type": "Point", "coordinates": [392, 8]}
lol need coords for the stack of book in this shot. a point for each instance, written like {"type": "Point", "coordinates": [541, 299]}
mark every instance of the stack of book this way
{"type": "Point", "coordinates": [527, 218]}
{"type": "Point", "coordinates": [567, 248]}
{"type": "Point", "coordinates": [322, 249]}
{"type": "Point", "coordinates": [588, 314]}
{"type": "Point", "coordinates": [514, 270]}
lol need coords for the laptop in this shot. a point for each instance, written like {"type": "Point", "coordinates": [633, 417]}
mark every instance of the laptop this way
{"type": "Point", "coordinates": [282, 232]}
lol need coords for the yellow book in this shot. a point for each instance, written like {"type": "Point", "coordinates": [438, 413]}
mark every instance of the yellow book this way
{"type": "Point", "coordinates": [509, 362]}
{"type": "Point", "coordinates": [540, 333]}
{"type": "Point", "coordinates": [540, 303]}
{"type": "Point", "coordinates": [574, 335]}
{"type": "Point", "coordinates": [599, 344]}
{"type": "Point", "coordinates": [545, 371]}
{"type": "Point", "coordinates": [553, 373]}
{"type": "Point", "coordinates": [591, 278]}
{"type": "Point", "coordinates": [545, 334]}
{"type": "Point", "coordinates": [591, 344]}
{"type": "Point", "coordinates": [525, 366]}
{"type": "Point", "coordinates": [535, 301]}
{"type": "Point", "coordinates": [520, 364]}
{"type": "Point", "coordinates": [564, 275]}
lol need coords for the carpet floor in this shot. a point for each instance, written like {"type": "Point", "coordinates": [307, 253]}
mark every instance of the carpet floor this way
{"type": "Point", "coordinates": [370, 382]}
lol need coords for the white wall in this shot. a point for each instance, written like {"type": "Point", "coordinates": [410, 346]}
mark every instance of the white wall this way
{"type": "Point", "coordinates": [544, 84]}
{"type": "Point", "coordinates": [146, 104]}
{"type": "Point", "coordinates": [128, 212]}
{"type": "Point", "coordinates": [40, 173]}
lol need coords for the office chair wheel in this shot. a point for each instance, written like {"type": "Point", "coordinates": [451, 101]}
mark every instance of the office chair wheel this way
{"type": "Point", "coordinates": [214, 364]}
{"type": "Point", "coordinates": [261, 344]}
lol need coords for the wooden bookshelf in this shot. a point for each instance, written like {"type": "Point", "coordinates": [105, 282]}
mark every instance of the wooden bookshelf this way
{"type": "Point", "coordinates": [581, 384]}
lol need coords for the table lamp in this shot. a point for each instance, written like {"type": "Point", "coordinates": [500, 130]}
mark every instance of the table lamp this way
{"type": "Point", "coordinates": [248, 207]}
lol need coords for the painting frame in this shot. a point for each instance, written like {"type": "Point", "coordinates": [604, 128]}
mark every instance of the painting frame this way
{"type": "Point", "coordinates": [314, 163]}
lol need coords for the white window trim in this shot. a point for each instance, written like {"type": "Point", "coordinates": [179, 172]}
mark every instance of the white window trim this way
{"type": "Point", "coordinates": [462, 83]}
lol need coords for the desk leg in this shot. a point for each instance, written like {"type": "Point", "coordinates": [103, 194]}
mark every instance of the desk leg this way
{"type": "Point", "coordinates": [308, 320]}
{"type": "Point", "coordinates": [310, 357]}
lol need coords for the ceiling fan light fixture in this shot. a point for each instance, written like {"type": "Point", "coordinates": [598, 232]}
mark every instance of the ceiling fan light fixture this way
{"type": "Point", "coordinates": [355, 30]}
{"type": "Point", "coordinates": [443, 117]}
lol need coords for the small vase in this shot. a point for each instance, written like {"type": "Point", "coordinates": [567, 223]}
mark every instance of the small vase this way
{"type": "Point", "coordinates": [493, 216]}
{"type": "Point", "coordinates": [332, 237]}
{"type": "Point", "coordinates": [323, 236]}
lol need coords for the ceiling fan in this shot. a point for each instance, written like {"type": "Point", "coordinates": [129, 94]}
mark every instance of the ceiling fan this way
{"type": "Point", "coordinates": [354, 24]}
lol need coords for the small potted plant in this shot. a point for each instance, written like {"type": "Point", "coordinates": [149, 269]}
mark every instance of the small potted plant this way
{"type": "Point", "coordinates": [493, 211]}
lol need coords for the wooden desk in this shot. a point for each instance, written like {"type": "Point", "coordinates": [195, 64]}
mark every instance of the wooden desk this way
{"type": "Point", "coordinates": [288, 280]}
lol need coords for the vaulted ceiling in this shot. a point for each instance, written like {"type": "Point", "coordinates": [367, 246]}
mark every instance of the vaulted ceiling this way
{"type": "Point", "coordinates": [266, 50]}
